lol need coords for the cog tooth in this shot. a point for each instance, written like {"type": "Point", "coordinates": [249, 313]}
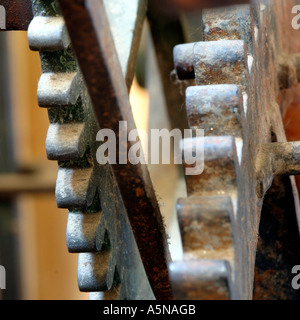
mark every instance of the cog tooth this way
{"type": "Point", "coordinates": [97, 296]}
{"type": "Point", "coordinates": [112, 294]}
{"type": "Point", "coordinates": [81, 231]}
{"type": "Point", "coordinates": [201, 280]}
{"type": "Point", "coordinates": [74, 188]}
{"type": "Point", "coordinates": [66, 141]}
{"type": "Point", "coordinates": [206, 227]}
{"type": "Point", "coordinates": [48, 34]}
{"type": "Point", "coordinates": [219, 62]}
{"type": "Point", "coordinates": [234, 23]}
{"type": "Point", "coordinates": [92, 271]}
{"type": "Point", "coordinates": [184, 61]}
{"type": "Point", "coordinates": [221, 160]}
{"type": "Point", "coordinates": [58, 89]}
{"type": "Point", "coordinates": [218, 109]}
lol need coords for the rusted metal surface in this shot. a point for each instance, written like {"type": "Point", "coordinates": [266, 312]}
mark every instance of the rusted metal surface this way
{"type": "Point", "coordinates": [218, 109]}
{"type": "Point", "coordinates": [250, 52]}
{"type": "Point", "coordinates": [206, 228]}
{"type": "Point", "coordinates": [18, 14]}
{"type": "Point", "coordinates": [221, 160]}
{"type": "Point", "coordinates": [275, 159]}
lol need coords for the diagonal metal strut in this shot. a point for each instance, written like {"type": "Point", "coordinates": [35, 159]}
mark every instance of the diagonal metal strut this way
{"type": "Point", "coordinates": [98, 59]}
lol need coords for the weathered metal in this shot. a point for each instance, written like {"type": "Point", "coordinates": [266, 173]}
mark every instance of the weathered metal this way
{"type": "Point", "coordinates": [201, 280]}
{"type": "Point", "coordinates": [18, 14]}
{"type": "Point", "coordinates": [216, 109]}
{"type": "Point", "coordinates": [48, 34]}
{"type": "Point", "coordinates": [243, 53]}
{"type": "Point", "coordinates": [93, 43]}
{"type": "Point", "coordinates": [206, 227]}
{"type": "Point", "coordinates": [96, 211]}
{"type": "Point", "coordinates": [243, 46]}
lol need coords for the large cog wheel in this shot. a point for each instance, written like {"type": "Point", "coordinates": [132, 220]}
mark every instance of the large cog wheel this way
{"type": "Point", "coordinates": [109, 264]}
{"type": "Point", "coordinates": [246, 76]}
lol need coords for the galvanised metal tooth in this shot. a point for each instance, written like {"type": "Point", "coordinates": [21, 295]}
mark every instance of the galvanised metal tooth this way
{"type": "Point", "coordinates": [221, 160]}
{"type": "Point", "coordinates": [58, 89]}
{"type": "Point", "coordinates": [201, 280]}
{"type": "Point", "coordinates": [206, 228]}
{"type": "Point", "coordinates": [218, 109]}
{"type": "Point", "coordinates": [75, 187]}
{"type": "Point", "coordinates": [48, 34]}
{"type": "Point", "coordinates": [82, 229]}
{"type": "Point", "coordinates": [66, 141]}
{"type": "Point", "coordinates": [92, 271]}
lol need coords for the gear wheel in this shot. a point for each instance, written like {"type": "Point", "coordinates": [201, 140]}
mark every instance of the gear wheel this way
{"type": "Point", "coordinates": [109, 264]}
{"type": "Point", "coordinates": [246, 76]}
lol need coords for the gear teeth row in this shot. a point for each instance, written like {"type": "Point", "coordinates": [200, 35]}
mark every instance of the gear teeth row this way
{"type": "Point", "coordinates": [97, 271]}
{"type": "Point", "coordinates": [88, 236]}
{"type": "Point", "coordinates": [61, 90]}
{"type": "Point", "coordinates": [217, 104]}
